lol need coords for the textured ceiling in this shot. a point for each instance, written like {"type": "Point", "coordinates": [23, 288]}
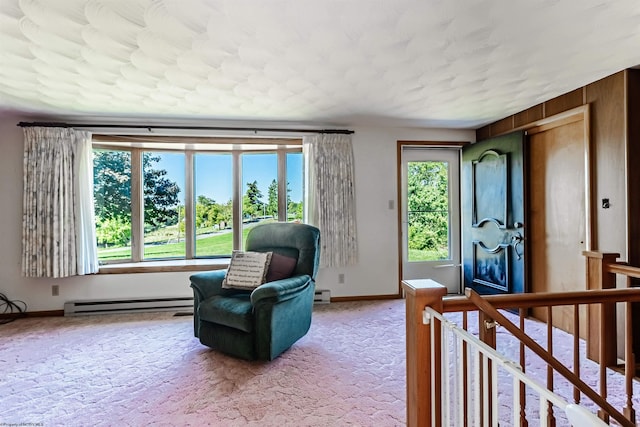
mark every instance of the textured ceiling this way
{"type": "Point", "coordinates": [449, 63]}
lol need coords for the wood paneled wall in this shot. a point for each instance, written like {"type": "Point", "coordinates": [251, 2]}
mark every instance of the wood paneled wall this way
{"type": "Point", "coordinates": [615, 143]}
{"type": "Point", "coordinates": [519, 120]}
{"type": "Point", "coordinates": [614, 104]}
{"type": "Point", "coordinates": [606, 99]}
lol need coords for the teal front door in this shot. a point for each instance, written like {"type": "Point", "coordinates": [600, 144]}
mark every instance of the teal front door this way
{"type": "Point", "coordinates": [493, 228]}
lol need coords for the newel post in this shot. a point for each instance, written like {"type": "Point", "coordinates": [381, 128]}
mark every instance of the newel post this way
{"type": "Point", "coordinates": [420, 294]}
{"type": "Point", "coordinates": [601, 318]}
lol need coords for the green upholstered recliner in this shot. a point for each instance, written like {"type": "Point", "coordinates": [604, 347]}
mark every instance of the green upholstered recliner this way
{"type": "Point", "coordinates": [262, 323]}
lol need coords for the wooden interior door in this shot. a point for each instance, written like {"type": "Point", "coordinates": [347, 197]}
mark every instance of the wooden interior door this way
{"type": "Point", "coordinates": [493, 229]}
{"type": "Point", "coordinates": [557, 214]}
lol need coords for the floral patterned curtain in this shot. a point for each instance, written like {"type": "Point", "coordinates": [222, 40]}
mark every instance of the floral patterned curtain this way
{"type": "Point", "coordinates": [330, 197]}
{"type": "Point", "coordinates": [58, 228]}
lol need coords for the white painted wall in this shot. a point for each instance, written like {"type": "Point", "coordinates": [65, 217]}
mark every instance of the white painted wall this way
{"type": "Point", "coordinates": [375, 274]}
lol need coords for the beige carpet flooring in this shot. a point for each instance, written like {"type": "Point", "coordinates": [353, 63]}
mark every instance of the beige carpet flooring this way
{"type": "Point", "coordinates": [148, 369]}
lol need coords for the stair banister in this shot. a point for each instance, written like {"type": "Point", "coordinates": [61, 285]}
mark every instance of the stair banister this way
{"type": "Point", "coordinates": [423, 383]}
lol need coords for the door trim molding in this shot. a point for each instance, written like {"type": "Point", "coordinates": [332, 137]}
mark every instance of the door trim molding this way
{"type": "Point", "coordinates": [400, 145]}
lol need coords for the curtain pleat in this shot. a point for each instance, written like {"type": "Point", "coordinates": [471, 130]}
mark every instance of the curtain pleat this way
{"type": "Point", "coordinates": [330, 201]}
{"type": "Point", "coordinates": [86, 248]}
{"type": "Point", "coordinates": [51, 212]}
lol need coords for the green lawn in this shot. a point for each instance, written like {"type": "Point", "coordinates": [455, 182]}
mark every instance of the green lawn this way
{"type": "Point", "coordinates": [428, 255]}
{"type": "Point", "coordinates": [222, 244]}
{"type": "Point", "coordinates": [217, 244]}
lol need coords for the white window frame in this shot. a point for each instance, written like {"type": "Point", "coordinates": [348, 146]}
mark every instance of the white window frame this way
{"type": "Point", "coordinates": [136, 145]}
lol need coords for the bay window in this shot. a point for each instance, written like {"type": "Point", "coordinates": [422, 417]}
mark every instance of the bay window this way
{"type": "Point", "coordinates": [166, 198]}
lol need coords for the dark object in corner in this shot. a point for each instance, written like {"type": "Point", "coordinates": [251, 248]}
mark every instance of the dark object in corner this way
{"type": "Point", "coordinates": [11, 310]}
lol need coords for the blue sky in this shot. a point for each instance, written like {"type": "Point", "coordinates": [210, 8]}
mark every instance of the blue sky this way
{"type": "Point", "coordinates": [213, 173]}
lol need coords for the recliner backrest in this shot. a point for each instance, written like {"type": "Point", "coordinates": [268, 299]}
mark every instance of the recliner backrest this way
{"type": "Point", "coordinates": [301, 241]}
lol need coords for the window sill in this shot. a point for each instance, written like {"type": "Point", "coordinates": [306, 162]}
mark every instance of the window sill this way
{"type": "Point", "coordinates": [165, 266]}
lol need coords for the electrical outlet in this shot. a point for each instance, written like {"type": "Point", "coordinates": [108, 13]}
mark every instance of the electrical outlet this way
{"type": "Point", "coordinates": [55, 290]}
{"type": "Point", "coordinates": [341, 278]}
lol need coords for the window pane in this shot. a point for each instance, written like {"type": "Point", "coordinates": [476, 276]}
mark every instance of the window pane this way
{"type": "Point", "coordinates": [295, 187]}
{"type": "Point", "coordinates": [260, 190]}
{"type": "Point", "coordinates": [112, 199]}
{"type": "Point", "coordinates": [214, 204]}
{"type": "Point", "coordinates": [163, 182]}
{"type": "Point", "coordinates": [428, 211]}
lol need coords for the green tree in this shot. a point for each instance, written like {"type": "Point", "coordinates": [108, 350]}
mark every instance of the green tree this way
{"type": "Point", "coordinates": [112, 189]}
{"type": "Point", "coordinates": [428, 205]}
{"type": "Point", "coordinates": [252, 200]}
{"type": "Point", "coordinates": [206, 212]}
{"type": "Point", "coordinates": [112, 184]}
{"type": "Point", "coordinates": [209, 213]}
{"type": "Point", "coordinates": [113, 231]}
{"type": "Point", "coordinates": [160, 194]}
{"type": "Point", "coordinates": [272, 199]}
{"type": "Point", "coordinates": [226, 214]}
{"type": "Point", "coordinates": [294, 209]}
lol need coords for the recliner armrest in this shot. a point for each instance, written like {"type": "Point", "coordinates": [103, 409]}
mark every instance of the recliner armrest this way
{"type": "Point", "coordinates": [208, 283]}
{"type": "Point", "coordinates": [280, 290]}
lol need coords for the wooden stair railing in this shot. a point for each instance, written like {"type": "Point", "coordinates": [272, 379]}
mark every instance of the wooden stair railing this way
{"type": "Point", "coordinates": [551, 361]}
{"type": "Point", "coordinates": [423, 293]}
{"type": "Point", "coordinates": [420, 376]}
{"type": "Point", "coordinates": [602, 269]}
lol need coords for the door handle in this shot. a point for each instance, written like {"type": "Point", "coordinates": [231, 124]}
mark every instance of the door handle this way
{"type": "Point", "coordinates": [517, 239]}
{"type": "Point", "coordinates": [447, 265]}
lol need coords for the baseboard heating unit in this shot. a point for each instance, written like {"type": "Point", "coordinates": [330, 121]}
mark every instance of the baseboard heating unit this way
{"type": "Point", "coordinates": [322, 296]}
{"type": "Point", "coordinates": [140, 305]}
{"type": "Point", "coordinates": [132, 305]}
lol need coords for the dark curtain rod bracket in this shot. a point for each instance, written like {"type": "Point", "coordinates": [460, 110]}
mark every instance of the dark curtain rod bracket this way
{"type": "Point", "coordinates": [218, 128]}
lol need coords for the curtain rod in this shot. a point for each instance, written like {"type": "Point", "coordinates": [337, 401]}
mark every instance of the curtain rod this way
{"type": "Point", "coordinates": [221, 128]}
